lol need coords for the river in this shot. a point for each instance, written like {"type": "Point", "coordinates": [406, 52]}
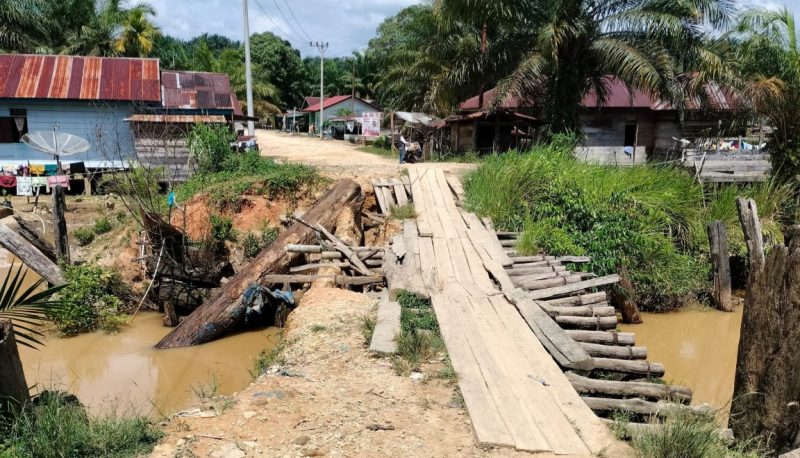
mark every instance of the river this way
{"type": "Point", "coordinates": [698, 349]}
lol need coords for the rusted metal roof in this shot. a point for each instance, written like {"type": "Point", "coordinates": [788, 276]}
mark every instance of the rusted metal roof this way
{"type": "Point", "coordinates": [335, 100]}
{"type": "Point", "coordinates": [198, 91]}
{"type": "Point", "coordinates": [177, 119]}
{"type": "Point", "coordinates": [79, 78]}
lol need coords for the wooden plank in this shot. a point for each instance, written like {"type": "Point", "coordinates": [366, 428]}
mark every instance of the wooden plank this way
{"type": "Point", "coordinates": [644, 368]}
{"type": "Point", "coordinates": [490, 263]}
{"type": "Point", "coordinates": [450, 202]}
{"type": "Point", "coordinates": [615, 351]}
{"type": "Point", "coordinates": [561, 347]}
{"type": "Point", "coordinates": [743, 166]}
{"type": "Point", "coordinates": [456, 187]}
{"type": "Point", "coordinates": [440, 206]}
{"type": "Point", "coordinates": [571, 288]}
{"type": "Point", "coordinates": [423, 224]}
{"type": "Point", "coordinates": [341, 280]}
{"type": "Point", "coordinates": [444, 266]}
{"type": "Point", "coordinates": [315, 266]}
{"type": "Point", "coordinates": [400, 194]}
{"type": "Point", "coordinates": [476, 267]}
{"type": "Point", "coordinates": [29, 255]}
{"type": "Point", "coordinates": [576, 301]}
{"type": "Point", "coordinates": [459, 260]}
{"type": "Point", "coordinates": [388, 197]}
{"type": "Point", "coordinates": [383, 208]}
{"type": "Point", "coordinates": [429, 204]}
{"type": "Point", "coordinates": [602, 337]}
{"type": "Point", "coordinates": [407, 184]}
{"type": "Point", "coordinates": [427, 261]}
{"type": "Point", "coordinates": [387, 327]}
{"type": "Point", "coordinates": [585, 385]}
{"type": "Point", "coordinates": [489, 426]}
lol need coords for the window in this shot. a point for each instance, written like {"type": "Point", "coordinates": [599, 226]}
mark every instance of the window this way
{"type": "Point", "coordinates": [630, 134]}
{"type": "Point", "coordinates": [13, 127]}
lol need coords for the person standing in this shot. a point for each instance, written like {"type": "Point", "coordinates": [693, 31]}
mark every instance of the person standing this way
{"type": "Point", "coordinates": [402, 146]}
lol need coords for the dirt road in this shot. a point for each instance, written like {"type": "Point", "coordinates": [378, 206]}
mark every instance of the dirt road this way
{"type": "Point", "coordinates": [336, 158]}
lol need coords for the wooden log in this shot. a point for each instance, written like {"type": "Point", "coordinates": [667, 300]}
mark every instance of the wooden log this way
{"type": "Point", "coordinates": [32, 257]}
{"type": "Point", "coordinates": [557, 282]}
{"type": "Point", "coordinates": [721, 266]}
{"type": "Point", "coordinates": [751, 226]}
{"type": "Point", "coordinates": [222, 311]}
{"type": "Point", "coordinates": [575, 301]}
{"type": "Point", "coordinates": [60, 224]}
{"type": "Point", "coordinates": [316, 266]}
{"type": "Point", "coordinates": [300, 248]}
{"type": "Point", "coordinates": [561, 347]}
{"type": "Point", "coordinates": [615, 351]}
{"type": "Point", "coordinates": [571, 288]}
{"type": "Point", "coordinates": [170, 314]}
{"type": "Point", "coordinates": [623, 296]}
{"type": "Point", "coordinates": [612, 388]}
{"type": "Point", "coordinates": [602, 337]}
{"type": "Point", "coordinates": [31, 233]}
{"type": "Point", "coordinates": [639, 406]}
{"type": "Point", "coordinates": [506, 235]}
{"type": "Point", "coordinates": [599, 323]}
{"type": "Point", "coordinates": [534, 277]}
{"type": "Point", "coordinates": [345, 250]}
{"type": "Point", "coordinates": [601, 309]}
{"type": "Point", "coordinates": [518, 272]}
{"type": "Point", "coordinates": [341, 280]}
{"type": "Point", "coordinates": [13, 388]}
{"type": "Point", "coordinates": [508, 243]}
{"type": "Point", "coordinates": [644, 368]}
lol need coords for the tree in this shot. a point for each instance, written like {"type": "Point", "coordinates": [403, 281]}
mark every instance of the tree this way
{"type": "Point", "coordinates": [768, 53]}
{"type": "Point", "coordinates": [281, 65]}
{"type": "Point", "coordinates": [115, 31]}
{"type": "Point", "coordinates": [551, 54]}
{"type": "Point", "coordinates": [138, 34]}
{"type": "Point", "coordinates": [23, 25]}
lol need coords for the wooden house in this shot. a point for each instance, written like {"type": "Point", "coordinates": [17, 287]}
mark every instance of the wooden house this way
{"type": "Point", "coordinates": [337, 107]}
{"type": "Point", "coordinates": [84, 96]}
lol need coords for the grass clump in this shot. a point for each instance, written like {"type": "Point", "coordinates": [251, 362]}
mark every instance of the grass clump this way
{"type": "Point", "coordinates": [252, 244]}
{"type": "Point", "coordinates": [687, 434]}
{"type": "Point", "coordinates": [222, 228]}
{"type": "Point", "coordinates": [83, 235]}
{"type": "Point", "coordinates": [368, 328]}
{"type": "Point", "coordinates": [268, 358]}
{"type": "Point", "coordinates": [102, 225]}
{"type": "Point", "coordinates": [401, 212]}
{"type": "Point", "coordinates": [247, 173]}
{"type": "Point", "coordinates": [53, 426]}
{"type": "Point", "coordinates": [419, 338]}
{"type": "Point", "coordinates": [649, 219]}
{"type": "Point", "coordinates": [94, 298]}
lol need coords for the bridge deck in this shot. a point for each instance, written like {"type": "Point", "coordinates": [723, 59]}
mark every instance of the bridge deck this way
{"type": "Point", "coordinates": [514, 391]}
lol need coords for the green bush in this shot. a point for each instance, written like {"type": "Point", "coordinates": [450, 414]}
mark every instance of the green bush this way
{"type": "Point", "coordinates": [84, 235]}
{"type": "Point", "coordinates": [222, 228]}
{"type": "Point", "coordinates": [102, 225]}
{"type": "Point", "coordinates": [210, 144]}
{"type": "Point", "coordinates": [55, 427]}
{"type": "Point", "coordinates": [93, 299]}
{"type": "Point", "coordinates": [382, 142]}
{"type": "Point", "coordinates": [269, 235]}
{"type": "Point", "coordinates": [649, 219]}
{"type": "Point", "coordinates": [251, 245]}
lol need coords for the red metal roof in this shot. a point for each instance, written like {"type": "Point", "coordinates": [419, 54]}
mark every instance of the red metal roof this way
{"type": "Point", "coordinates": [618, 97]}
{"type": "Point", "coordinates": [309, 101]}
{"type": "Point", "coordinates": [79, 78]}
{"type": "Point", "coordinates": [198, 91]}
{"type": "Point", "coordinates": [329, 101]}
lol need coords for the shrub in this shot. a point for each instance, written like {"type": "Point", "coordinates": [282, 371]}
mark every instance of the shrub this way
{"type": "Point", "coordinates": [93, 299]}
{"type": "Point", "coordinates": [210, 144]}
{"type": "Point", "coordinates": [222, 228]}
{"type": "Point", "coordinates": [402, 212]}
{"type": "Point", "coordinates": [251, 245]}
{"type": "Point", "coordinates": [84, 235]}
{"type": "Point", "coordinates": [56, 427]}
{"type": "Point", "coordinates": [382, 142]}
{"type": "Point", "coordinates": [102, 225]}
{"type": "Point", "coordinates": [268, 235]}
{"type": "Point", "coordinates": [419, 337]}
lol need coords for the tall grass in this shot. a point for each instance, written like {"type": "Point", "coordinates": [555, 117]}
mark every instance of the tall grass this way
{"type": "Point", "coordinates": [650, 219]}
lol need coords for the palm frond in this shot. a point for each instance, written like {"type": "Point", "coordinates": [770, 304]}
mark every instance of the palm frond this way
{"type": "Point", "coordinates": [26, 307]}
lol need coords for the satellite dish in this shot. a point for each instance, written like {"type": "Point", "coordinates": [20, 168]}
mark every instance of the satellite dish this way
{"type": "Point", "coordinates": [57, 144]}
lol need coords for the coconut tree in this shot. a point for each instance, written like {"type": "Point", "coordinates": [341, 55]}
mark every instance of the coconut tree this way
{"type": "Point", "coordinates": [116, 30]}
{"type": "Point", "coordinates": [138, 33]}
{"type": "Point", "coordinates": [554, 53]}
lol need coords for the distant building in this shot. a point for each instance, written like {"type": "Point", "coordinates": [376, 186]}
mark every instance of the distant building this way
{"type": "Point", "coordinates": [338, 106]}
{"type": "Point", "coordinates": [628, 128]}
{"type": "Point", "coordinates": [84, 96]}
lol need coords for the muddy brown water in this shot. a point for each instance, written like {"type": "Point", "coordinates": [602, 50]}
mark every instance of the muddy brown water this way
{"type": "Point", "coordinates": [698, 349]}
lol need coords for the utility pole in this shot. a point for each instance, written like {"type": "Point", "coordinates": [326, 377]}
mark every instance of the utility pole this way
{"type": "Point", "coordinates": [251, 128]}
{"type": "Point", "coordinates": [321, 47]}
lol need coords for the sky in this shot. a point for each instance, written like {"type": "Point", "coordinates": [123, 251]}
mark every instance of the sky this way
{"type": "Point", "coordinates": [346, 24]}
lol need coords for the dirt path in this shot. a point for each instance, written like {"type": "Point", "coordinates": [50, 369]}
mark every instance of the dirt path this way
{"type": "Point", "coordinates": [337, 159]}
{"type": "Point", "coordinates": [326, 396]}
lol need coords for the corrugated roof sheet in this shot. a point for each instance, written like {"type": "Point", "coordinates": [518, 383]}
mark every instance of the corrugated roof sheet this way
{"type": "Point", "coordinates": [335, 100]}
{"type": "Point", "coordinates": [177, 119]}
{"type": "Point", "coordinates": [198, 90]}
{"type": "Point", "coordinates": [25, 76]}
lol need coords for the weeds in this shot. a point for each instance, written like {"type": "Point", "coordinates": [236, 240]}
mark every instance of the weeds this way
{"type": "Point", "coordinates": [448, 372]}
{"type": "Point", "coordinates": [102, 225]}
{"type": "Point", "coordinates": [401, 212]}
{"type": "Point", "coordinates": [419, 338]}
{"type": "Point", "coordinates": [53, 426]}
{"type": "Point", "coordinates": [318, 328]}
{"type": "Point", "coordinates": [222, 228]}
{"type": "Point", "coordinates": [367, 328]}
{"type": "Point", "coordinates": [83, 235]}
{"type": "Point", "coordinates": [268, 358]}
{"type": "Point", "coordinates": [385, 152]}
{"type": "Point", "coordinates": [206, 391]}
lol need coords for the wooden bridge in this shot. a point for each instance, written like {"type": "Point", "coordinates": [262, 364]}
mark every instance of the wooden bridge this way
{"type": "Point", "coordinates": [508, 345]}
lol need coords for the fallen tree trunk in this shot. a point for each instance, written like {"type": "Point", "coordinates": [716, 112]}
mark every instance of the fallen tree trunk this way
{"type": "Point", "coordinates": [615, 351]}
{"type": "Point", "coordinates": [603, 337]}
{"type": "Point", "coordinates": [637, 367]}
{"type": "Point", "coordinates": [576, 301]}
{"type": "Point", "coordinates": [224, 310]}
{"type": "Point", "coordinates": [32, 257]}
{"type": "Point", "coordinates": [599, 323]}
{"type": "Point", "coordinates": [31, 233]}
{"type": "Point", "coordinates": [585, 385]}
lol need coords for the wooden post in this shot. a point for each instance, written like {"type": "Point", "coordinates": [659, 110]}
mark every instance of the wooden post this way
{"type": "Point", "coordinates": [60, 224]}
{"type": "Point", "coordinates": [751, 226]}
{"type": "Point", "coordinates": [170, 315]}
{"type": "Point", "coordinates": [624, 299]}
{"type": "Point", "coordinates": [766, 395]}
{"type": "Point", "coordinates": [13, 388]}
{"type": "Point", "coordinates": [718, 241]}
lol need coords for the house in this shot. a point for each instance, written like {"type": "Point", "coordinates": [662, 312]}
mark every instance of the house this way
{"type": "Point", "coordinates": [84, 96]}
{"type": "Point", "coordinates": [338, 106]}
{"type": "Point", "coordinates": [188, 99]}
{"type": "Point", "coordinates": [628, 128]}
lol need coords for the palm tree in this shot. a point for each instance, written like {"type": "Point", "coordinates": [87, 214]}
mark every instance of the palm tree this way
{"type": "Point", "coordinates": [23, 26]}
{"type": "Point", "coordinates": [768, 53]}
{"type": "Point", "coordinates": [266, 97]}
{"type": "Point", "coordinates": [26, 308]}
{"type": "Point", "coordinates": [138, 34]}
{"type": "Point", "coordinates": [551, 54]}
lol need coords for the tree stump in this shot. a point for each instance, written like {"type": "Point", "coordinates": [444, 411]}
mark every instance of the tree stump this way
{"type": "Point", "coordinates": [13, 388]}
{"type": "Point", "coordinates": [766, 400]}
{"type": "Point", "coordinates": [60, 224]}
{"type": "Point", "coordinates": [751, 226]}
{"type": "Point", "coordinates": [624, 299]}
{"type": "Point", "coordinates": [720, 260]}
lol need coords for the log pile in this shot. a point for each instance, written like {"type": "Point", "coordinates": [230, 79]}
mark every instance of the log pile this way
{"type": "Point", "coordinates": [617, 375]}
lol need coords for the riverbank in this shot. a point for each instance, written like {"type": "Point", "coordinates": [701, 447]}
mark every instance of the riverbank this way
{"type": "Point", "coordinates": [327, 396]}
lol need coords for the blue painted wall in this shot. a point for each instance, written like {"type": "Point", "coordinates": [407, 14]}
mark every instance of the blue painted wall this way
{"type": "Point", "coordinates": [100, 123]}
{"type": "Point", "coordinates": [333, 110]}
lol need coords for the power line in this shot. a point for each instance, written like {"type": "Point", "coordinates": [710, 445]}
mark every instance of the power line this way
{"type": "Point", "coordinates": [296, 21]}
{"type": "Point", "coordinates": [294, 40]}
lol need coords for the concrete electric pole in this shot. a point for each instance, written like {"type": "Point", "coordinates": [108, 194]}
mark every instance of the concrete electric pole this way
{"type": "Point", "coordinates": [321, 47]}
{"type": "Point", "coordinates": [251, 128]}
